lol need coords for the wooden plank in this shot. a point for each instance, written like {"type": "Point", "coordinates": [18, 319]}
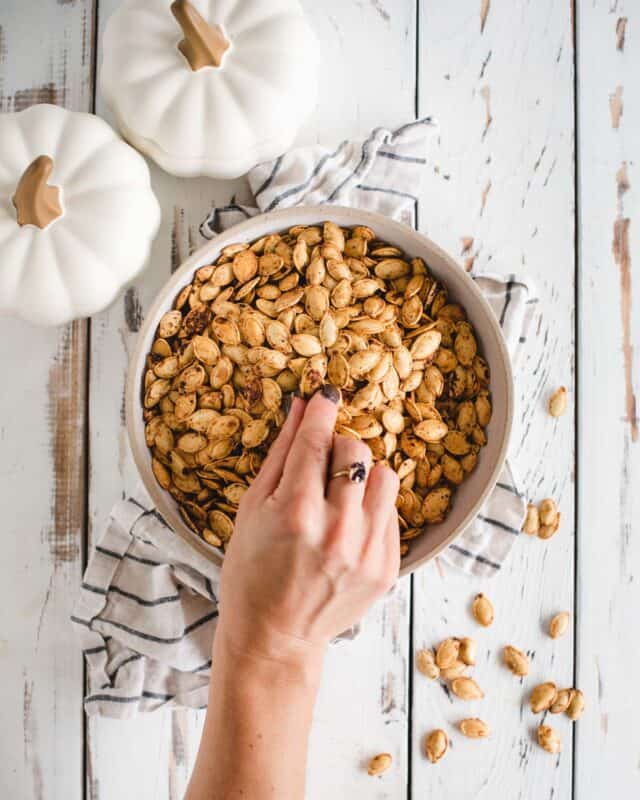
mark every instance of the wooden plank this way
{"type": "Point", "coordinates": [499, 79]}
{"type": "Point", "coordinates": [45, 56]}
{"type": "Point", "coordinates": [608, 49]}
{"type": "Point", "coordinates": [362, 708]}
{"type": "Point", "coordinates": [150, 756]}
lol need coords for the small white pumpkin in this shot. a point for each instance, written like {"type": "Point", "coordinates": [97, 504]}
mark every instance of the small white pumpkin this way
{"type": "Point", "coordinates": [210, 87]}
{"type": "Point", "coordinates": [77, 214]}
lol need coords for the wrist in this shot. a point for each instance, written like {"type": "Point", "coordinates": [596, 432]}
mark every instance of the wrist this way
{"type": "Point", "coordinates": [269, 657]}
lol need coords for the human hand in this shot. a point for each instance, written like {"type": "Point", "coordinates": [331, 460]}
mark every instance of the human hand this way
{"type": "Point", "coordinates": [309, 555]}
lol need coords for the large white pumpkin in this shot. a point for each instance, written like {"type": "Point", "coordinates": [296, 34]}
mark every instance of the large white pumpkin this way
{"type": "Point", "coordinates": [77, 214]}
{"type": "Point", "coordinates": [210, 87]}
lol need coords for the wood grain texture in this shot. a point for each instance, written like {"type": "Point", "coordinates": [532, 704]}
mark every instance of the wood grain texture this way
{"type": "Point", "coordinates": [608, 746]}
{"type": "Point", "coordinates": [150, 756]}
{"type": "Point", "coordinates": [355, 718]}
{"type": "Point", "coordinates": [500, 196]}
{"type": "Point", "coordinates": [45, 56]}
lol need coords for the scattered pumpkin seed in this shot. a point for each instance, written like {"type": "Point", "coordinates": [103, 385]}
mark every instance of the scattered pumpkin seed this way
{"type": "Point", "coordinates": [482, 610]}
{"type": "Point", "coordinates": [558, 402]}
{"type": "Point", "coordinates": [379, 764]}
{"type": "Point", "coordinates": [559, 625]}
{"type": "Point", "coordinates": [474, 728]}
{"type": "Point", "coordinates": [561, 702]}
{"type": "Point", "coordinates": [543, 697]}
{"type": "Point", "coordinates": [548, 739]}
{"type": "Point", "coordinates": [436, 745]}
{"type": "Point", "coordinates": [516, 661]}
{"type": "Point", "coordinates": [576, 705]}
{"type": "Point", "coordinates": [425, 661]}
{"type": "Point", "coordinates": [466, 689]}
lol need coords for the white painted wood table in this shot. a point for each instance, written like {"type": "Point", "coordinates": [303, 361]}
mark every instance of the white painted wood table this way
{"type": "Point", "coordinates": [536, 171]}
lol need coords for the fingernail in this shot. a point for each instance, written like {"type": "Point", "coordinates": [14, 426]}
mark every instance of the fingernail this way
{"type": "Point", "coordinates": [287, 401]}
{"type": "Point", "coordinates": [329, 391]}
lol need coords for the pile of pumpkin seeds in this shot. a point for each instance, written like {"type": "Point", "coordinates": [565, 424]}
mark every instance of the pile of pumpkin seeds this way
{"type": "Point", "coordinates": [288, 313]}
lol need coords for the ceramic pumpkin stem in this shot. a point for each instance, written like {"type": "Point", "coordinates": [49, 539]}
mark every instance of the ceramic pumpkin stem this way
{"type": "Point", "coordinates": [203, 45]}
{"type": "Point", "coordinates": [35, 201]}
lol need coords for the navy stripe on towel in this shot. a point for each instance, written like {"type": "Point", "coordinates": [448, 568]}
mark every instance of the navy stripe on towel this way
{"type": "Point", "coordinates": [395, 192]}
{"type": "Point", "coordinates": [170, 598]}
{"type": "Point", "coordinates": [509, 488]}
{"type": "Point", "coordinates": [396, 157]}
{"type": "Point", "coordinates": [161, 639]}
{"type": "Point", "coordinates": [135, 699]}
{"type": "Point", "coordinates": [507, 299]}
{"type": "Point", "coordinates": [476, 557]}
{"type": "Point", "coordinates": [295, 189]}
{"type": "Point", "coordinates": [268, 181]}
{"type": "Point", "coordinates": [92, 650]}
{"type": "Point", "coordinates": [497, 524]}
{"type": "Point", "coordinates": [140, 560]}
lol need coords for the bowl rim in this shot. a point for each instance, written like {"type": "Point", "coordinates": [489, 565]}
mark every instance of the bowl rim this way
{"type": "Point", "coordinates": [280, 220]}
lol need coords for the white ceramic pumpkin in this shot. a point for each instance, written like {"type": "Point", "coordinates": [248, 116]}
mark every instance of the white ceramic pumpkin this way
{"type": "Point", "coordinates": [77, 214]}
{"type": "Point", "coordinates": [209, 87]}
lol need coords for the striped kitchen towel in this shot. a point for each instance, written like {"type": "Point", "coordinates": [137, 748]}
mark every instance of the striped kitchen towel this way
{"type": "Point", "coordinates": [147, 609]}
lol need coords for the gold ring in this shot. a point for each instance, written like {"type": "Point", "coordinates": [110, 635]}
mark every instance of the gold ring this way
{"type": "Point", "coordinates": [356, 472]}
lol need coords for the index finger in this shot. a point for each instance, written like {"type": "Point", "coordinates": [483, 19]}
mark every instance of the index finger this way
{"type": "Point", "coordinates": [308, 458]}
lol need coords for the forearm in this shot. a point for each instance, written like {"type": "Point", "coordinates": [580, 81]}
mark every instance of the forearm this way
{"type": "Point", "coordinates": [254, 743]}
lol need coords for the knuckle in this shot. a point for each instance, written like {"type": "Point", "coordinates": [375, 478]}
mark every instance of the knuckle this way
{"type": "Point", "coordinates": [354, 449]}
{"type": "Point", "coordinates": [340, 534]}
{"type": "Point", "coordinates": [361, 452]}
{"type": "Point", "coordinates": [391, 574]}
{"type": "Point", "coordinates": [388, 477]}
{"type": "Point", "coordinates": [382, 582]}
{"type": "Point", "coordinates": [298, 516]}
{"type": "Point", "coordinates": [337, 551]}
{"type": "Point", "coordinates": [375, 578]}
{"type": "Point", "coordinates": [316, 443]}
{"type": "Point", "coordinates": [337, 561]}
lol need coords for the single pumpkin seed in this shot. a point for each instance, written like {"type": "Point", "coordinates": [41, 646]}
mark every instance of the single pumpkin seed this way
{"type": "Point", "coordinates": [516, 661]}
{"type": "Point", "coordinates": [425, 661]}
{"type": "Point", "coordinates": [561, 701]}
{"type": "Point", "coordinates": [559, 625]}
{"type": "Point", "coordinates": [548, 739]}
{"type": "Point", "coordinates": [558, 402]}
{"type": "Point", "coordinates": [474, 728]}
{"type": "Point", "coordinates": [467, 653]}
{"type": "Point", "coordinates": [436, 745]}
{"type": "Point", "coordinates": [576, 705]}
{"type": "Point", "coordinates": [466, 689]}
{"type": "Point", "coordinates": [482, 610]}
{"type": "Point", "coordinates": [543, 697]}
{"type": "Point", "coordinates": [531, 524]}
{"type": "Point", "coordinates": [447, 653]}
{"type": "Point", "coordinates": [379, 764]}
{"type": "Point", "coordinates": [548, 511]}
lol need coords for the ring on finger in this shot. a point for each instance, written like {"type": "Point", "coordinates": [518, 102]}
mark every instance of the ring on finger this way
{"type": "Point", "coordinates": [355, 472]}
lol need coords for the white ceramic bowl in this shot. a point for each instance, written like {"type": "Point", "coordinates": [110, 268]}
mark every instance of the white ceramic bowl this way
{"type": "Point", "coordinates": [470, 496]}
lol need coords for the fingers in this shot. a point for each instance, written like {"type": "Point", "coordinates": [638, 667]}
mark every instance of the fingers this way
{"type": "Point", "coordinates": [392, 548]}
{"type": "Point", "coordinates": [347, 452]}
{"type": "Point", "coordinates": [381, 549]}
{"type": "Point", "coordinates": [270, 472]}
{"type": "Point", "coordinates": [381, 492]}
{"type": "Point", "coordinates": [381, 552]}
{"type": "Point", "coordinates": [308, 459]}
